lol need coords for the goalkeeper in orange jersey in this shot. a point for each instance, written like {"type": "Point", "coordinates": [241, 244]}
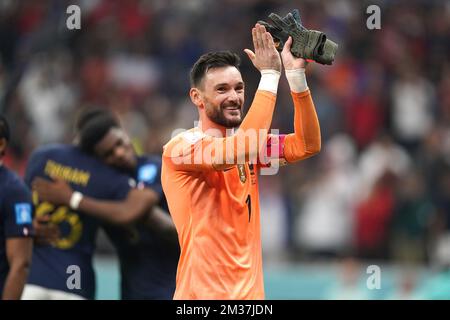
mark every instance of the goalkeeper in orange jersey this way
{"type": "Point", "coordinates": [209, 173]}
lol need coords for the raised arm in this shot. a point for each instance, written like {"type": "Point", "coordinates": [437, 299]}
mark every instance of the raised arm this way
{"type": "Point", "coordinates": [305, 141]}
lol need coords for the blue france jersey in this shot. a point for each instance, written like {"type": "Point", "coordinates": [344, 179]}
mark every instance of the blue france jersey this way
{"type": "Point", "coordinates": [67, 265]}
{"type": "Point", "coordinates": [148, 264]}
{"type": "Point", "coordinates": [16, 214]}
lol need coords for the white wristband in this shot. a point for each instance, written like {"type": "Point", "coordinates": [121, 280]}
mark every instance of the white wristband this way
{"type": "Point", "coordinates": [75, 200]}
{"type": "Point", "coordinates": [297, 80]}
{"type": "Point", "coordinates": [269, 80]}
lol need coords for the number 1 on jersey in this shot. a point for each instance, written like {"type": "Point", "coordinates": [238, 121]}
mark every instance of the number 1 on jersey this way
{"type": "Point", "coordinates": [249, 206]}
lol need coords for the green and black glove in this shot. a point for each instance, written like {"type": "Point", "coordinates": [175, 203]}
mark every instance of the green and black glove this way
{"type": "Point", "coordinates": [307, 44]}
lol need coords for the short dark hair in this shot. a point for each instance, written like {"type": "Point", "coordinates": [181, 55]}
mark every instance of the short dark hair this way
{"type": "Point", "coordinates": [4, 128]}
{"type": "Point", "coordinates": [212, 60]}
{"type": "Point", "coordinates": [92, 125]}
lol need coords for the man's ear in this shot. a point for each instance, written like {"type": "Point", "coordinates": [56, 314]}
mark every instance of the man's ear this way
{"type": "Point", "coordinates": [196, 97]}
{"type": "Point", "coordinates": [3, 144]}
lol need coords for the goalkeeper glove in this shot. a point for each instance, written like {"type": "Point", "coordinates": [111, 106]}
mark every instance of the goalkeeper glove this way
{"type": "Point", "coordinates": [307, 44]}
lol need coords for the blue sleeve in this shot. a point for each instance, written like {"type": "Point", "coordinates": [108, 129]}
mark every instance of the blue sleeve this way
{"type": "Point", "coordinates": [18, 212]}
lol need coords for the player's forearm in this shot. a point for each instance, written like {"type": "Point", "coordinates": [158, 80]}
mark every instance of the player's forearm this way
{"type": "Point", "coordinates": [306, 139]}
{"type": "Point", "coordinates": [120, 212]}
{"type": "Point", "coordinates": [248, 141]}
{"type": "Point", "coordinates": [109, 211]}
{"type": "Point", "coordinates": [15, 281]}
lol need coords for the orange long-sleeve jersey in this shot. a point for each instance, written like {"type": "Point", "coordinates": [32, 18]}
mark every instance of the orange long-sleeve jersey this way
{"type": "Point", "coordinates": [215, 206]}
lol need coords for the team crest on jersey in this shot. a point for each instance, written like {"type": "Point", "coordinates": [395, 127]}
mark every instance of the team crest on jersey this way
{"type": "Point", "coordinates": [242, 174]}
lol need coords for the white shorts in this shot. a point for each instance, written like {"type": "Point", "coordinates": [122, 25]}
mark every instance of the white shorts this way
{"type": "Point", "coordinates": [33, 292]}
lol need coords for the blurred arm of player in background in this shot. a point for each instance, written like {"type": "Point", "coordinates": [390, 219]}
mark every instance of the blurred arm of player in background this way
{"type": "Point", "coordinates": [140, 203]}
{"type": "Point", "coordinates": [18, 252]}
{"type": "Point", "coordinates": [137, 203]}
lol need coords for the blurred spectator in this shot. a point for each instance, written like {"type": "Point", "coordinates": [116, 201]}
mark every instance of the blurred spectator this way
{"type": "Point", "coordinates": [412, 109]}
{"type": "Point", "coordinates": [440, 255]}
{"type": "Point", "coordinates": [48, 96]}
{"type": "Point", "coordinates": [274, 217]}
{"type": "Point", "coordinates": [381, 156]}
{"type": "Point", "coordinates": [373, 216]}
{"type": "Point", "coordinates": [324, 224]}
{"type": "Point", "coordinates": [412, 220]}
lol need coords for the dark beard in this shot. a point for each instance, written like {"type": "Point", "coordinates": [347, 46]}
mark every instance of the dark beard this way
{"type": "Point", "coordinates": [218, 117]}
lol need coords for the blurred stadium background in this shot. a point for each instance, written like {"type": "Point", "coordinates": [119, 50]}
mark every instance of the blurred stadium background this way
{"type": "Point", "coordinates": [379, 192]}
